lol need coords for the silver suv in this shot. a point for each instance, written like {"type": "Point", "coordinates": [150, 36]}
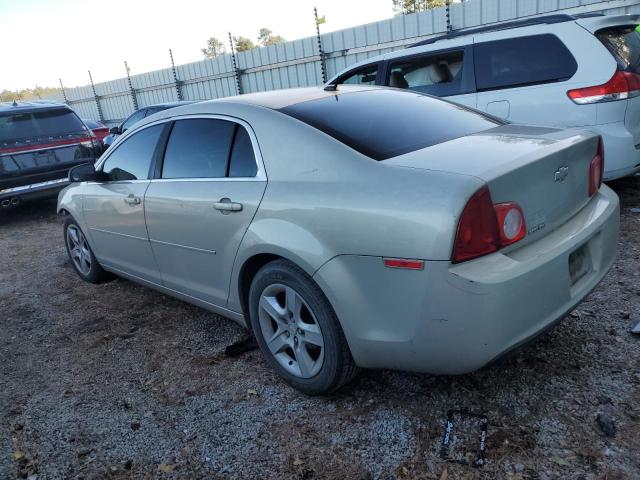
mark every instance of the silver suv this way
{"type": "Point", "coordinates": [558, 70]}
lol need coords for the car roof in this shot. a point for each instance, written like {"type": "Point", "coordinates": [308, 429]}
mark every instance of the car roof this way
{"type": "Point", "coordinates": [169, 104]}
{"type": "Point", "coordinates": [30, 106]}
{"type": "Point", "coordinates": [495, 27]}
{"type": "Point", "coordinates": [277, 99]}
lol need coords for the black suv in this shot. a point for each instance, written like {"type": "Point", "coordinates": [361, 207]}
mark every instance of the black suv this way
{"type": "Point", "coordinates": [39, 143]}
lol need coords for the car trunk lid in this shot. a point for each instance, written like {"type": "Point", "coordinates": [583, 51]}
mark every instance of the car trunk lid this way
{"type": "Point", "coordinates": [544, 170]}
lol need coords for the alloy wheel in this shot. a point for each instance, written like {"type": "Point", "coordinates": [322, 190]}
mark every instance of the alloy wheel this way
{"type": "Point", "coordinates": [79, 249]}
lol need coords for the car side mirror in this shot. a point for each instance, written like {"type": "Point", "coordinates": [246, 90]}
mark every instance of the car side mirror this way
{"type": "Point", "coordinates": [114, 131]}
{"type": "Point", "coordinates": [85, 172]}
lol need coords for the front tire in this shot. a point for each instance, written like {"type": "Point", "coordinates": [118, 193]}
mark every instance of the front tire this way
{"type": "Point", "coordinates": [80, 254]}
{"type": "Point", "coordinates": [298, 331]}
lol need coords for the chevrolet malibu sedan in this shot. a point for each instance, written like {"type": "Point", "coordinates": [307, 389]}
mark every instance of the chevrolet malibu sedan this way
{"type": "Point", "coordinates": [355, 227]}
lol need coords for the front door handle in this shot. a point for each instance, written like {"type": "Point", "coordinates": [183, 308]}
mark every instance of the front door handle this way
{"type": "Point", "coordinates": [226, 206]}
{"type": "Point", "coordinates": [132, 200]}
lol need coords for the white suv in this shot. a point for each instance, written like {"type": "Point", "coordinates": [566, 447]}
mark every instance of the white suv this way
{"type": "Point", "coordinates": [558, 70]}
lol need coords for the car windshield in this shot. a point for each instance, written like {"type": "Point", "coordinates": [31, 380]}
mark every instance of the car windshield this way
{"type": "Point", "coordinates": [624, 45]}
{"type": "Point", "coordinates": [16, 127]}
{"type": "Point", "coordinates": [384, 123]}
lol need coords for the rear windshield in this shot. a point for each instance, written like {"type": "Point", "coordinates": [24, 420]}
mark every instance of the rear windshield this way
{"type": "Point", "coordinates": [384, 123]}
{"type": "Point", "coordinates": [624, 45]}
{"type": "Point", "coordinates": [43, 125]}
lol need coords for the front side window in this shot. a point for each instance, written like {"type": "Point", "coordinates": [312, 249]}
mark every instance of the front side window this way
{"type": "Point", "coordinates": [522, 61]}
{"type": "Point", "coordinates": [198, 148]}
{"type": "Point", "coordinates": [362, 76]}
{"type": "Point", "coordinates": [438, 74]}
{"type": "Point", "coordinates": [132, 158]}
{"type": "Point", "coordinates": [132, 120]}
{"type": "Point", "coordinates": [385, 123]}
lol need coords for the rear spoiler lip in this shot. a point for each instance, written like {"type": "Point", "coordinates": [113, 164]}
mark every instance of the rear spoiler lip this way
{"type": "Point", "coordinates": [593, 24]}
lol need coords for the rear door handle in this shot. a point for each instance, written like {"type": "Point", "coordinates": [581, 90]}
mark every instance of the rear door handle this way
{"type": "Point", "coordinates": [132, 200]}
{"type": "Point", "coordinates": [225, 205]}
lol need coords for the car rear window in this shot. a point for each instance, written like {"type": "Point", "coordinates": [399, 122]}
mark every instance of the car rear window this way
{"type": "Point", "coordinates": [385, 123]}
{"type": "Point", "coordinates": [624, 45]}
{"type": "Point", "coordinates": [43, 125]}
{"type": "Point", "coordinates": [521, 61]}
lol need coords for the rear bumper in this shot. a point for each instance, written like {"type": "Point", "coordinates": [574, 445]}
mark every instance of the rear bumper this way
{"type": "Point", "coordinates": [34, 190]}
{"type": "Point", "coordinates": [453, 319]}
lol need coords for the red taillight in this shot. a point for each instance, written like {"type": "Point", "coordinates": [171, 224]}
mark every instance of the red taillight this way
{"type": "Point", "coordinates": [485, 228]}
{"type": "Point", "coordinates": [622, 85]}
{"type": "Point", "coordinates": [510, 223]}
{"type": "Point", "coordinates": [477, 233]}
{"type": "Point", "coordinates": [596, 169]}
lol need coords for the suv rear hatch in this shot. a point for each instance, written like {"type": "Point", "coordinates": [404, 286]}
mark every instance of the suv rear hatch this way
{"type": "Point", "coordinates": [623, 41]}
{"type": "Point", "coordinates": [39, 145]}
{"type": "Point", "coordinates": [544, 170]}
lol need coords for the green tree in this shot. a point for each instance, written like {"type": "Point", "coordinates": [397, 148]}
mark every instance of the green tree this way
{"type": "Point", "coordinates": [28, 94]}
{"type": "Point", "coordinates": [243, 44]}
{"type": "Point", "coordinates": [214, 48]}
{"type": "Point", "coordinates": [266, 38]}
{"type": "Point", "coordinates": [403, 7]}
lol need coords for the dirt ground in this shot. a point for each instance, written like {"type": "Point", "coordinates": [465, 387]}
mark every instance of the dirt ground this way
{"type": "Point", "coordinates": [119, 381]}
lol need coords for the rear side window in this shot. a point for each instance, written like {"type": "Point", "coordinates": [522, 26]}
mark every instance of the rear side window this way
{"type": "Point", "coordinates": [439, 74]}
{"type": "Point", "coordinates": [624, 45]}
{"type": "Point", "coordinates": [131, 159]}
{"type": "Point", "coordinates": [39, 126]}
{"type": "Point", "coordinates": [243, 160]}
{"type": "Point", "coordinates": [198, 148]}
{"type": "Point", "coordinates": [522, 61]}
{"type": "Point", "coordinates": [362, 76]}
{"type": "Point", "coordinates": [384, 123]}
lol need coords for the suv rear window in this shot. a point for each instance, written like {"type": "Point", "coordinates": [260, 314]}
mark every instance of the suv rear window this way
{"type": "Point", "coordinates": [624, 45]}
{"type": "Point", "coordinates": [385, 123]}
{"type": "Point", "coordinates": [39, 126]}
{"type": "Point", "coordinates": [521, 61]}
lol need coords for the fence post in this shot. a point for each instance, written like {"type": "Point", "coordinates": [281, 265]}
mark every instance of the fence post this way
{"type": "Point", "coordinates": [95, 97]}
{"type": "Point", "coordinates": [323, 67]}
{"type": "Point", "coordinates": [175, 77]}
{"type": "Point", "coordinates": [448, 14]}
{"type": "Point", "coordinates": [236, 72]}
{"type": "Point", "coordinates": [132, 92]}
{"type": "Point", "coordinates": [64, 95]}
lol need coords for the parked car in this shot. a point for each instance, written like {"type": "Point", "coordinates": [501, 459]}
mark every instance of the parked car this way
{"type": "Point", "coordinates": [363, 227]}
{"type": "Point", "coordinates": [560, 70]}
{"type": "Point", "coordinates": [136, 116]}
{"type": "Point", "coordinates": [39, 142]}
{"type": "Point", "coordinates": [98, 128]}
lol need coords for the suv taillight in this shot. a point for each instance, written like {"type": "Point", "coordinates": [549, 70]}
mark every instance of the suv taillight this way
{"type": "Point", "coordinates": [596, 169]}
{"type": "Point", "coordinates": [622, 85]}
{"type": "Point", "coordinates": [485, 228]}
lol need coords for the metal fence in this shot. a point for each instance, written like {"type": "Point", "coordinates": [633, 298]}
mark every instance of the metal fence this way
{"type": "Point", "coordinates": [299, 63]}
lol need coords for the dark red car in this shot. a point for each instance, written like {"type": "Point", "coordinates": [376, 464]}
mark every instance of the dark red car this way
{"type": "Point", "coordinates": [98, 129]}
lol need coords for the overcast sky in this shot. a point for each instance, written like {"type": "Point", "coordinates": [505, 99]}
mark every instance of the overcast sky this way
{"type": "Point", "coordinates": [43, 40]}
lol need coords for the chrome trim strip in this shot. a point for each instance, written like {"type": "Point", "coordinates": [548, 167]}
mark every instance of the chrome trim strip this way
{"type": "Point", "coordinates": [182, 246]}
{"type": "Point", "coordinates": [118, 234]}
{"type": "Point", "coordinates": [34, 185]}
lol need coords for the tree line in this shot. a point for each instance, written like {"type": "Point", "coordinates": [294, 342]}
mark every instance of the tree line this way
{"type": "Point", "coordinates": [265, 38]}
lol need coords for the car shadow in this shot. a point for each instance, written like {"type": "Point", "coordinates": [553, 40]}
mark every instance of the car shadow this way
{"type": "Point", "coordinates": [43, 209]}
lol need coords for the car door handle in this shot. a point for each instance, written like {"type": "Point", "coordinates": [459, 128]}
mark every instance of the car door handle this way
{"type": "Point", "coordinates": [132, 200]}
{"type": "Point", "coordinates": [225, 205]}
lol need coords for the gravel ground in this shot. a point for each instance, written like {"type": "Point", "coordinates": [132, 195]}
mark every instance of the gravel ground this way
{"type": "Point", "coordinates": [119, 381]}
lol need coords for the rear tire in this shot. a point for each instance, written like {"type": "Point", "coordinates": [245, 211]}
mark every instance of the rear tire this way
{"type": "Point", "coordinates": [298, 330]}
{"type": "Point", "coordinates": [80, 254]}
